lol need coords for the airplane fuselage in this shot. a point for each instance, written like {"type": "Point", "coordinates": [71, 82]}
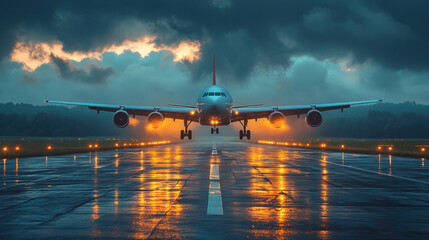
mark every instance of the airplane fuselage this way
{"type": "Point", "coordinates": [214, 106]}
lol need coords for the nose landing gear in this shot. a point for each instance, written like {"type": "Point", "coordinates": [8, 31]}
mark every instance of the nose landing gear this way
{"type": "Point", "coordinates": [215, 130]}
{"type": "Point", "coordinates": [186, 132]}
{"type": "Point", "coordinates": [244, 132]}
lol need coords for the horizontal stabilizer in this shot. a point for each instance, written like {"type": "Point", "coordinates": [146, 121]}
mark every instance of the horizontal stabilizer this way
{"type": "Point", "coordinates": [253, 105]}
{"type": "Point", "coordinates": [182, 106]}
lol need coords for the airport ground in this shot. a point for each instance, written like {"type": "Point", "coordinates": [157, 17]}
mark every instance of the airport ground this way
{"type": "Point", "coordinates": [215, 190]}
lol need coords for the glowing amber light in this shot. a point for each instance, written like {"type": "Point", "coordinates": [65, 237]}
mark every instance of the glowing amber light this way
{"type": "Point", "coordinates": [423, 149]}
{"type": "Point", "coordinates": [342, 146]}
{"type": "Point", "coordinates": [125, 144]}
{"type": "Point", "coordinates": [212, 122]}
{"type": "Point", "coordinates": [90, 146]}
{"type": "Point", "coordinates": [323, 145]}
{"type": "Point", "coordinates": [17, 148]}
{"type": "Point", "coordinates": [142, 144]}
{"type": "Point", "coordinates": [49, 147]}
{"type": "Point", "coordinates": [96, 145]}
{"type": "Point", "coordinates": [390, 148]}
{"type": "Point", "coordinates": [379, 147]}
{"type": "Point", "coordinates": [192, 112]}
{"type": "Point", "coordinates": [236, 112]}
{"type": "Point", "coordinates": [117, 145]}
{"type": "Point", "coordinates": [5, 149]}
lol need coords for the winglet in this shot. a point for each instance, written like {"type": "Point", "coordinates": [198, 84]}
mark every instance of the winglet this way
{"type": "Point", "coordinates": [44, 97]}
{"type": "Point", "coordinates": [214, 68]}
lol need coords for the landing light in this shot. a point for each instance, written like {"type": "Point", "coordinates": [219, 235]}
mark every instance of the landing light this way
{"type": "Point", "coordinates": [192, 112]}
{"type": "Point", "coordinates": [5, 149]}
{"type": "Point", "coordinates": [423, 149]}
{"type": "Point", "coordinates": [49, 147]}
{"type": "Point", "coordinates": [96, 145]}
{"type": "Point", "coordinates": [342, 146]}
{"type": "Point", "coordinates": [236, 112]}
{"type": "Point", "coordinates": [117, 145]}
{"type": "Point", "coordinates": [17, 148]}
{"type": "Point", "coordinates": [90, 146]}
{"type": "Point", "coordinates": [379, 147]}
{"type": "Point", "coordinates": [390, 148]}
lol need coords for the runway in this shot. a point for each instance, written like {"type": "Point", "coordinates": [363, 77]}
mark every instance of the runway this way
{"type": "Point", "coordinates": [215, 190]}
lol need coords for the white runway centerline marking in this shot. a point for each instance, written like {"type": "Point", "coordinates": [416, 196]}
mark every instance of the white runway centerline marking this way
{"type": "Point", "coordinates": [214, 206]}
{"type": "Point", "coordinates": [214, 172]}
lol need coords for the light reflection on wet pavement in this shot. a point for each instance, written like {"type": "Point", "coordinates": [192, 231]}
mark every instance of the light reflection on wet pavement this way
{"type": "Point", "coordinates": [267, 192]}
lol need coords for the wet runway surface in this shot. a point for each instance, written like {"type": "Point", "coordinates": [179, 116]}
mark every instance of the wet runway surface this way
{"type": "Point", "coordinates": [246, 191]}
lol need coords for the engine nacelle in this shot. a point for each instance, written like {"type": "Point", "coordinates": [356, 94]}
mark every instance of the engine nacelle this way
{"type": "Point", "coordinates": [314, 118]}
{"type": "Point", "coordinates": [155, 119]}
{"type": "Point", "coordinates": [277, 119]}
{"type": "Point", "coordinates": [121, 119]}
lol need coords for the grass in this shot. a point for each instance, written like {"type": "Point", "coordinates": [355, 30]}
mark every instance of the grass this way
{"type": "Point", "coordinates": [397, 147]}
{"type": "Point", "coordinates": [13, 147]}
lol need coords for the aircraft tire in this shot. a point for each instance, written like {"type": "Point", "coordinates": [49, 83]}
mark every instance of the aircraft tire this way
{"type": "Point", "coordinates": [248, 134]}
{"type": "Point", "coordinates": [182, 134]}
{"type": "Point", "coordinates": [190, 134]}
{"type": "Point", "coordinates": [241, 134]}
{"type": "Point", "coordinates": [212, 130]}
{"type": "Point", "coordinates": [217, 130]}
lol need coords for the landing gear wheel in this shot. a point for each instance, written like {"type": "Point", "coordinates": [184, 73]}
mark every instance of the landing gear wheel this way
{"type": "Point", "coordinates": [212, 130]}
{"type": "Point", "coordinates": [182, 134]}
{"type": "Point", "coordinates": [248, 134]}
{"type": "Point", "coordinates": [241, 134]}
{"type": "Point", "coordinates": [190, 134]}
{"type": "Point", "coordinates": [217, 130]}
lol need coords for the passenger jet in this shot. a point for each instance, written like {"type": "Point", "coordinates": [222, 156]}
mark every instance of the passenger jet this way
{"type": "Point", "coordinates": [215, 108]}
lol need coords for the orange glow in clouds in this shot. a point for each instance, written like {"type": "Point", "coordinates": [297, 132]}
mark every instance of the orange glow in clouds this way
{"type": "Point", "coordinates": [32, 55]}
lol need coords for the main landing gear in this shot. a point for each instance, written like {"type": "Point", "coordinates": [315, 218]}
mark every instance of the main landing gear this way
{"type": "Point", "coordinates": [244, 133]}
{"type": "Point", "coordinates": [215, 130]}
{"type": "Point", "coordinates": [186, 132]}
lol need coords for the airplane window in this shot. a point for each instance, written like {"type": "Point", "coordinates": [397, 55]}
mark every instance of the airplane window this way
{"type": "Point", "coordinates": [211, 93]}
{"type": "Point", "coordinates": [217, 93]}
{"type": "Point", "coordinates": [223, 94]}
{"type": "Point", "coordinates": [205, 94]}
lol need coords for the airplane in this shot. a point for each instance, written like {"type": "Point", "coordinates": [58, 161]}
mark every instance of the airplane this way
{"type": "Point", "coordinates": [215, 108]}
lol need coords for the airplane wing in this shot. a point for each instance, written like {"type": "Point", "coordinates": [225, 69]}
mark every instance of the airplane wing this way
{"type": "Point", "coordinates": [168, 112]}
{"type": "Point", "coordinates": [262, 112]}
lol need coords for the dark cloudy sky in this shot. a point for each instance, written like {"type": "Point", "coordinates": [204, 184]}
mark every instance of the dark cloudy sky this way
{"type": "Point", "coordinates": [160, 52]}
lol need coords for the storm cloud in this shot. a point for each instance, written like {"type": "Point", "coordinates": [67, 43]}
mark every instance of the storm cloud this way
{"type": "Point", "coordinates": [93, 75]}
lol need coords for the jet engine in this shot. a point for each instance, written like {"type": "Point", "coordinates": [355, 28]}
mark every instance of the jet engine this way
{"type": "Point", "coordinates": [155, 119]}
{"type": "Point", "coordinates": [277, 119]}
{"type": "Point", "coordinates": [313, 118]}
{"type": "Point", "coordinates": [121, 119]}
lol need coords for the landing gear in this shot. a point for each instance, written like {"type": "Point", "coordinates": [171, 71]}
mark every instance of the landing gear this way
{"type": "Point", "coordinates": [244, 132]}
{"type": "Point", "coordinates": [214, 130]}
{"type": "Point", "coordinates": [186, 132]}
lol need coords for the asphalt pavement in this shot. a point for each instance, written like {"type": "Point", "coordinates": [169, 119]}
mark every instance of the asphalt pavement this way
{"type": "Point", "coordinates": [214, 190]}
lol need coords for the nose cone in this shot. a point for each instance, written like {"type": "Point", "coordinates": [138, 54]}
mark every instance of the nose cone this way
{"type": "Point", "coordinates": [214, 109]}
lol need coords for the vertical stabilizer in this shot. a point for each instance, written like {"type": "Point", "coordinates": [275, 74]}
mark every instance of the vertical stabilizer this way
{"type": "Point", "coordinates": [214, 69]}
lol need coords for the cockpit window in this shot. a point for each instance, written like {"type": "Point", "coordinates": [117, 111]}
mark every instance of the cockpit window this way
{"type": "Point", "coordinates": [214, 94]}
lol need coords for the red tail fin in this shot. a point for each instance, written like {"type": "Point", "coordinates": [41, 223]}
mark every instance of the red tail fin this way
{"type": "Point", "coordinates": [214, 69]}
